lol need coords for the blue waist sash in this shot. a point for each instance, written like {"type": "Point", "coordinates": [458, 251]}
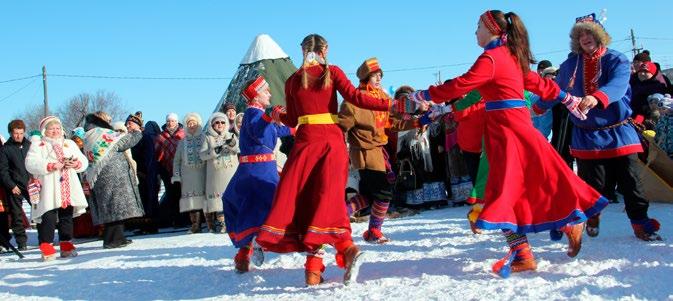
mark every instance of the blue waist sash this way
{"type": "Point", "coordinates": [505, 104]}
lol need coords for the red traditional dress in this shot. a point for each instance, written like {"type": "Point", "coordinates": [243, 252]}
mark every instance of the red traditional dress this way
{"type": "Point", "coordinates": [308, 209]}
{"type": "Point", "coordinates": [529, 187]}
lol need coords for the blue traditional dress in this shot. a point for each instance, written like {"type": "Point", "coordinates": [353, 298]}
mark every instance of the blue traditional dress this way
{"type": "Point", "coordinates": [247, 199]}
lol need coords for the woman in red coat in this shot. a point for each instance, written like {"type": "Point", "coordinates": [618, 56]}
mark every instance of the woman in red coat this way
{"type": "Point", "coordinates": [529, 188]}
{"type": "Point", "coordinates": [308, 208]}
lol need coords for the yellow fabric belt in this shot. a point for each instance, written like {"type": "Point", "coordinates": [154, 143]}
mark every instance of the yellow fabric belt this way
{"type": "Point", "coordinates": [324, 118]}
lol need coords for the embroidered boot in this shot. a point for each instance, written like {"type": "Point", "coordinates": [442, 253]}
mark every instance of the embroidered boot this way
{"type": "Point", "coordinates": [574, 234]}
{"type": "Point", "coordinates": [195, 218]}
{"type": "Point", "coordinates": [518, 259]}
{"type": "Point", "coordinates": [210, 222]}
{"type": "Point", "coordinates": [348, 257]}
{"type": "Point", "coordinates": [593, 224]}
{"type": "Point", "coordinates": [313, 270]}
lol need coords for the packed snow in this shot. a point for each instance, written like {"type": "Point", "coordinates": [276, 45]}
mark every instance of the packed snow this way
{"type": "Point", "coordinates": [431, 256]}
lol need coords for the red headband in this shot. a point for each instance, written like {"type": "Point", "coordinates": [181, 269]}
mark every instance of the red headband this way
{"type": "Point", "coordinates": [490, 23]}
{"type": "Point", "coordinates": [253, 89]}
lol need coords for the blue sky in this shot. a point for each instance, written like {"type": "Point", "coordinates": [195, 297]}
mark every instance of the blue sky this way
{"type": "Point", "coordinates": [209, 38]}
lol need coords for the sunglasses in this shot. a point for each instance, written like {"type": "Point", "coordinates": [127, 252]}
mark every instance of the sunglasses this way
{"type": "Point", "coordinates": [219, 122]}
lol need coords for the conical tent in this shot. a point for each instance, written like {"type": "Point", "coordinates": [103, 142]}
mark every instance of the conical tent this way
{"type": "Point", "coordinates": [266, 58]}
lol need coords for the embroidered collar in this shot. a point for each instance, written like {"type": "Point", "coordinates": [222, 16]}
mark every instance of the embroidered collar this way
{"type": "Point", "coordinates": [493, 44]}
{"type": "Point", "coordinates": [594, 56]}
{"type": "Point", "coordinates": [256, 106]}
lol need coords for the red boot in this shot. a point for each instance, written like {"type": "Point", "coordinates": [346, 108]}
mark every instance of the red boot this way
{"type": "Point", "coordinates": [646, 229]}
{"type": "Point", "coordinates": [48, 251]}
{"type": "Point", "coordinates": [242, 260]}
{"type": "Point", "coordinates": [67, 249]}
{"type": "Point", "coordinates": [374, 236]}
{"type": "Point", "coordinates": [519, 259]}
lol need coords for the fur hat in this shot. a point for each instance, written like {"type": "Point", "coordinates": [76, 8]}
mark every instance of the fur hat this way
{"type": "Point", "coordinates": [368, 67]}
{"type": "Point", "coordinates": [403, 90]}
{"type": "Point", "coordinates": [136, 118]}
{"type": "Point", "coordinates": [214, 117]}
{"type": "Point", "coordinates": [194, 116]}
{"type": "Point", "coordinates": [94, 120]}
{"type": "Point", "coordinates": [16, 124]}
{"type": "Point", "coordinates": [589, 24]}
{"type": "Point", "coordinates": [46, 121]}
{"type": "Point", "coordinates": [172, 116]}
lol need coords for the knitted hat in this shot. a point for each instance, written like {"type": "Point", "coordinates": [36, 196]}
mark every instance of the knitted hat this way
{"type": "Point", "coordinates": [46, 121]}
{"type": "Point", "coordinates": [136, 118]}
{"type": "Point", "coordinates": [229, 106]}
{"type": "Point", "coordinates": [368, 67]}
{"type": "Point", "coordinates": [79, 132]}
{"type": "Point", "coordinates": [94, 120]}
{"type": "Point", "coordinates": [172, 116]}
{"type": "Point", "coordinates": [643, 57]}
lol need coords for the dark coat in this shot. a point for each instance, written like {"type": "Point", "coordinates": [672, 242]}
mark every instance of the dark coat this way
{"type": "Point", "coordinates": [12, 164]}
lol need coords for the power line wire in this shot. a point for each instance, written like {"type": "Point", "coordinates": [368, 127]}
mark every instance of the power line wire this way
{"type": "Point", "coordinates": [18, 90]}
{"type": "Point", "coordinates": [21, 78]}
{"type": "Point", "coordinates": [137, 77]}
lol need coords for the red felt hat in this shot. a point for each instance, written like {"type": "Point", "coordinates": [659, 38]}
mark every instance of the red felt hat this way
{"type": "Point", "coordinates": [252, 90]}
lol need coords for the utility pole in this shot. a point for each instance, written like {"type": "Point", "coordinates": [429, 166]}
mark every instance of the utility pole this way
{"type": "Point", "coordinates": [44, 86]}
{"type": "Point", "coordinates": [633, 44]}
{"type": "Point", "coordinates": [439, 77]}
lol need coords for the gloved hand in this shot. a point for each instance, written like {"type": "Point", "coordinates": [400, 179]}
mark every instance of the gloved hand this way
{"type": "Point", "coordinates": [572, 104]}
{"type": "Point", "coordinates": [276, 113]}
{"type": "Point", "coordinates": [439, 110]}
{"type": "Point", "coordinates": [419, 96]}
{"type": "Point", "coordinates": [426, 118]}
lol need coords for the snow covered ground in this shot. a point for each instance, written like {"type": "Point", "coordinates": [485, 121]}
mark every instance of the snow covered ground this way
{"type": "Point", "coordinates": [432, 256]}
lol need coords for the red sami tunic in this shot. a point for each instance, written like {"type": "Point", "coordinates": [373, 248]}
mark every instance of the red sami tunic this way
{"type": "Point", "coordinates": [529, 187]}
{"type": "Point", "coordinates": [308, 209]}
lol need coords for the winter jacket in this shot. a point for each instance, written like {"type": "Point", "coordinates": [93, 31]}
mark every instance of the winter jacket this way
{"type": "Point", "coordinates": [13, 171]}
{"type": "Point", "coordinates": [115, 192]}
{"type": "Point", "coordinates": [40, 155]}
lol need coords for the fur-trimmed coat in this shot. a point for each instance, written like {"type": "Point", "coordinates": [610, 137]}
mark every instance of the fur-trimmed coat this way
{"type": "Point", "coordinates": [190, 171]}
{"type": "Point", "coordinates": [219, 151]}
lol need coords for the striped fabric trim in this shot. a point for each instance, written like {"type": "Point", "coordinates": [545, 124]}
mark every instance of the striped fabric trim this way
{"type": "Point", "coordinates": [577, 216]}
{"type": "Point", "coordinates": [330, 230]}
{"type": "Point", "coordinates": [243, 234]}
{"type": "Point", "coordinates": [607, 153]}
